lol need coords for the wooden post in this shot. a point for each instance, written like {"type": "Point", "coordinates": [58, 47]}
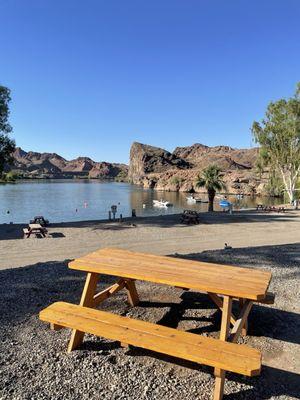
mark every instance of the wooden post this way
{"type": "Point", "coordinates": [133, 297]}
{"type": "Point", "coordinates": [240, 322]}
{"type": "Point", "coordinates": [245, 327]}
{"type": "Point", "coordinates": [87, 300]}
{"type": "Point", "coordinates": [225, 325]}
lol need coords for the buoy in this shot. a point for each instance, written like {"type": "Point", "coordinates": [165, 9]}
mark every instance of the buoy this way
{"type": "Point", "coordinates": [76, 210]}
{"type": "Point", "coordinates": [7, 212]}
{"type": "Point", "coordinates": [85, 204]}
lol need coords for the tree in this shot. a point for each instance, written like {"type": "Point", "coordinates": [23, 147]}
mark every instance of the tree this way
{"type": "Point", "coordinates": [211, 179]}
{"type": "Point", "coordinates": [7, 145]}
{"type": "Point", "coordinates": [278, 135]}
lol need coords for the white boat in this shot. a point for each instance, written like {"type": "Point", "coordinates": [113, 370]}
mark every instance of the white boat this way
{"type": "Point", "coordinates": [192, 199]}
{"type": "Point", "coordinates": [161, 203]}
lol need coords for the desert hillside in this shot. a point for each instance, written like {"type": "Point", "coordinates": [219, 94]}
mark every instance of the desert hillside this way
{"type": "Point", "coordinates": [51, 165]}
{"type": "Point", "coordinates": [159, 169]}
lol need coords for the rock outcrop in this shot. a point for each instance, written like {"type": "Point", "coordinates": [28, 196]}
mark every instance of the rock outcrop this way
{"type": "Point", "coordinates": [145, 159]}
{"type": "Point", "coordinates": [159, 169]}
{"type": "Point", "coordinates": [51, 165]}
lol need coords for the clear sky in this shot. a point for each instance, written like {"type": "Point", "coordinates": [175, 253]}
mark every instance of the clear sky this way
{"type": "Point", "coordinates": [90, 77]}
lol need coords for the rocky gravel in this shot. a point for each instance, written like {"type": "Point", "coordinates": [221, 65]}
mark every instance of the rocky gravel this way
{"type": "Point", "coordinates": [34, 364]}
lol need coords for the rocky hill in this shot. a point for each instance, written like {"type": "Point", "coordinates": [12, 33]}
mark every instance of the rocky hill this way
{"type": "Point", "coordinates": [51, 165]}
{"type": "Point", "coordinates": [159, 169]}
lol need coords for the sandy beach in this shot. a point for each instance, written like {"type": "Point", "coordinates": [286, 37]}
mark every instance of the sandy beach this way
{"type": "Point", "coordinates": [35, 270]}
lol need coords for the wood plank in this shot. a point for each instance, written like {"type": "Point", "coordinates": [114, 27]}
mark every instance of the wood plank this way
{"type": "Point", "coordinates": [225, 325]}
{"type": "Point", "coordinates": [213, 352]}
{"type": "Point", "coordinates": [133, 297]}
{"type": "Point", "coordinates": [120, 255]}
{"type": "Point", "coordinates": [240, 322]}
{"type": "Point", "coordinates": [244, 330]}
{"type": "Point", "coordinates": [219, 303]}
{"type": "Point", "coordinates": [87, 300]}
{"type": "Point", "coordinates": [236, 282]}
{"type": "Point", "coordinates": [106, 293]}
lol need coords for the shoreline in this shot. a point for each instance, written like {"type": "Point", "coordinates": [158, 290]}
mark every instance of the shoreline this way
{"type": "Point", "coordinates": [153, 234]}
{"type": "Point", "coordinates": [236, 211]}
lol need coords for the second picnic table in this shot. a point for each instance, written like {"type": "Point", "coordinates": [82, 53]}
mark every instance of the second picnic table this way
{"type": "Point", "coordinates": [34, 229]}
{"type": "Point", "coordinates": [222, 283]}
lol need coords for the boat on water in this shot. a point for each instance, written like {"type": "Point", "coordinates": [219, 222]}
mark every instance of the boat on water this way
{"type": "Point", "coordinates": [161, 203]}
{"type": "Point", "coordinates": [192, 199]}
{"type": "Point", "coordinates": [225, 204]}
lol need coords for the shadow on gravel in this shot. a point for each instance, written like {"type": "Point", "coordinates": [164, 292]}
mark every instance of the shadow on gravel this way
{"type": "Point", "coordinates": [265, 320]}
{"type": "Point", "coordinates": [276, 382]}
{"type": "Point", "coordinates": [25, 291]}
{"type": "Point", "coordinates": [271, 382]}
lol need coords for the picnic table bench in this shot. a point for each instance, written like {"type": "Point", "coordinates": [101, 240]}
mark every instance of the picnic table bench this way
{"type": "Point", "coordinates": [190, 217]}
{"type": "Point", "coordinates": [34, 229]}
{"type": "Point", "coordinates": [223, 354]}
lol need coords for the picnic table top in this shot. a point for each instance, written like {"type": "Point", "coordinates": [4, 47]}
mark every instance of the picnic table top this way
{"type": "Point", "coordinates": [35, 226]}
{"type": "Point", "coordinates": [227, 280]}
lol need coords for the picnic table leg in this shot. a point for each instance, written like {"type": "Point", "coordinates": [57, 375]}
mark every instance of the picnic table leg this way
{"type": "Point", "coordinates": [245, 328]}
{"type": "Point", "coordinates": [87, 300]}
{"type": "Point", "coordinates": [133, 297]}
{"type": "Point", "coordinates": [225, 325]}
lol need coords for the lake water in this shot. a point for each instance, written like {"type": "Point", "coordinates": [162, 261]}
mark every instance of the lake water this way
{"type": "Point", "coordinates": [76, 200]}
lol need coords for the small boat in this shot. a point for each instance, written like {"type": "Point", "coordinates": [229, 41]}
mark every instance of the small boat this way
{"type": "Point", "coordinates": [225, 204]}
{"type": "Point", "coordinates": [239, 196]}
{"type": "Point", "coordinates": [192, 199]}
{"type": "Point", "coordinates": [161, 203]}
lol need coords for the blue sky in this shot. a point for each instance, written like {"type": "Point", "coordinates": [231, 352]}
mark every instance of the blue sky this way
{"type": "Point", "coordinates": [90, 77]}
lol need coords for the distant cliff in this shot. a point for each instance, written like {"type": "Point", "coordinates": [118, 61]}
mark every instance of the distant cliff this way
{"type": "Point", "coordinates": [159, 169]}
{"type": "Point", "coordinates": [51, 165]}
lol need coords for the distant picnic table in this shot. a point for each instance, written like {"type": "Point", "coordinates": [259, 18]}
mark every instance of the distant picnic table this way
{"type": "Point", "coordinates": [190, 217]}
{"type": "Point", "coordinates": [35, 229]}
{"type": "Point", "coordinates": [222, 283]}
{"type": "Point", "coordinates": [261, 207]}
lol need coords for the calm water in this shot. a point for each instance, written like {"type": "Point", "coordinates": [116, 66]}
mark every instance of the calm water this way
{"type": "Point", "coordinates": [68, 200]}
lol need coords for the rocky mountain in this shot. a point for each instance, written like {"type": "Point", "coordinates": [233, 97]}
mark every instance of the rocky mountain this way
{"type": "Point", "coordinates": [159, 169]}
{"type": "Point", "coordinates": [51, 165]}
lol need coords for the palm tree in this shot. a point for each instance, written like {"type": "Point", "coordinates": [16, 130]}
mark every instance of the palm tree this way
{"type": "Point", "coordinates": [211, 179]}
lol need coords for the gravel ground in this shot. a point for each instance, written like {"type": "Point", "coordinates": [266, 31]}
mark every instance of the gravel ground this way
{"type": "Point", "coordinates": [34, 363]}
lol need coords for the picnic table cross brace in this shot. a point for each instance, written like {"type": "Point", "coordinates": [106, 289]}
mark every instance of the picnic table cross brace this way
{"type": "Point", "coordinates": [90, 299]}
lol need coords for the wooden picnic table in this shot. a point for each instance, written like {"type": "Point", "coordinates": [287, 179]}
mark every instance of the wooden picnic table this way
{"type": "Point", "coordinates": [34, 229]}
{"type": "Point", "coordinates": [190, 217]}
{"type": "Point", "coordinates": [222, 283]}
